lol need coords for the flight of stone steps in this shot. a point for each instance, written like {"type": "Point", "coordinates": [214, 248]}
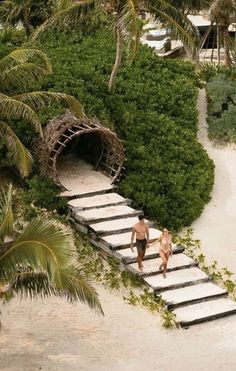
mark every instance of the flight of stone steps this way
{"type": "Point", "coordinates": [187, 290]}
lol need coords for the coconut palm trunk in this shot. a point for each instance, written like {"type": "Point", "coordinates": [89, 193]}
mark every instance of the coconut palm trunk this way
{"type": "Point", "coordinates": [225, 34]}
{"type": "Point", "coordinates": [118, 60]}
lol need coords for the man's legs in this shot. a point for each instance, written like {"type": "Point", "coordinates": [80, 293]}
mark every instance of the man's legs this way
{"type": "Point", "coordinates": [142, 255]}
{"type": "Point", "coordinates": [141, 249]}
{"type": "Point", "coordinates": [139, 260]}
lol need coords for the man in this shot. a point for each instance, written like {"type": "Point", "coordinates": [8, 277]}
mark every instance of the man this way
{"type": "Point", "coordinates": [141, 230]}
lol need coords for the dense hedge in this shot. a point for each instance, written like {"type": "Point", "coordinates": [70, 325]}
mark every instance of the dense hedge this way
{"type": "Point", "coordinates": [222, 108]}
{"type": "Point", "coordinates": [153, 110]}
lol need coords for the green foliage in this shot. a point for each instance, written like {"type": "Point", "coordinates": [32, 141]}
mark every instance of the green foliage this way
{"type": "Point", "coordinates": [12, 36]}
{"type": "Point", "coordinates": [42, 192]}
{"type": "Point", "coordinates": [222, 276]}
{"type": "Point", "coordinates": [148, 300]}
{"type": "Point", "coordinates": [222, 109]}
{"type": "Point", "coordinates": [108, 272]}
{"type": "Point", "coordinates": [208, 71]}
{"type": "Point", "coordinates": [155, 117]}
{"type": "Point", "coordinates": [30, 13]}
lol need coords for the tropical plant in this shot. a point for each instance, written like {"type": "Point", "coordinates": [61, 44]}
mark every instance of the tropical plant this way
{"type": "Point", "coordinates": [150, 113]}
{"type": "Point", "coordinates": [18, 71]}
{"type": "Point", "coordinates": [223, 12]}
{"type": "Point", "coordinates": [222, 109]}
{"type": "Point", "coordinates": [30, 13]}
{"type": "Point", "coordinates": [125, 15]}
{"type": "Point", "coordinates": [190, 6]}
{"type": "Point", "coordinates": [41, 260]}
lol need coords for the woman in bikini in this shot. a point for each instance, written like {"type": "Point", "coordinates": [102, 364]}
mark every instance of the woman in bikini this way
{"type": "Point", "coordinates": [165, 249]}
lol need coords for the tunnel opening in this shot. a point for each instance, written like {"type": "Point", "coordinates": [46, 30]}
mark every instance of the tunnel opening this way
{"type": "Point", "coordinates": [80, 140]}
{"type": "Point", "coordinates": [87, 147]}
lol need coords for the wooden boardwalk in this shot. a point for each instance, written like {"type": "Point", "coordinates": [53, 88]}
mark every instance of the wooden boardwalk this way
{"type": "Point", "coordinates": [187, 290]}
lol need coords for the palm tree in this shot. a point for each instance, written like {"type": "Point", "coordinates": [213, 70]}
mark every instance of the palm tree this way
{"type": "Point", "coordinates": [126, 17]}
{"type": "Point", "coordinates": [40, 261]}
{"type": "Point", "coordinates": [18, 71]}
{"type": "Point", "coordinates": [223, 12]}
{"type": "Point", "coordinates": [191, 6]}
{"type": "Point", "coordinates": [30, 13]}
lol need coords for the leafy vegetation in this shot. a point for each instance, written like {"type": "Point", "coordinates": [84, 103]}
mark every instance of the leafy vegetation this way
{"type": "Point", "coordinates": [43, 192]}
{"type": "Point", "coordinates": [156, 119]}
{"type": "Point", "coordinates": [39, 259]}
{"type": "Point", "coordinates": [221, 276]}
{"type": "Point", "coordinates": [221, 92]}
{"type": "Point", "coordinates": [108, 272]}
{"type": "Point", "coordinates": [19, 70]}
{"type": "Point", "coordinates": [127, 23]}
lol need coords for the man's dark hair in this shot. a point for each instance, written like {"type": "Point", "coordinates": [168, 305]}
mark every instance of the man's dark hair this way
{"type": "Point", "coordinates": [141, 217]}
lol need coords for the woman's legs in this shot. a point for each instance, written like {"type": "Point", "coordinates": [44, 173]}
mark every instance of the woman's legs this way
{"type": "Point", "coordinates": [164, 257]}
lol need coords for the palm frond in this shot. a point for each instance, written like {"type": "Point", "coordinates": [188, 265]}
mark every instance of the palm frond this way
{"type": "Point", "coordinates": [40, 99]}
{"type": "Point", "coordinates": [10, 11]}
{"type": "Point", "coordinates": [28, 283]}
{"type": "Point", "coordinates": [42, 261]}
{"type": "Point", "coordinates": [21, 76]}
{"type": "Point", "coordinates": [181, 27]}
{"type": "Point", "coordinates": [129, 22]}
{"type": "Point", "coordinates": [66, 16]}
{"type": "Point", "coordinates": [220, 9]}
{"type": "Point", "coordinates": [6, 214]}
{"type": "Point", "coordinates": [21, 56]}
{"type": "Point", "coordinates": [75, 285]}
{"type": "Point", "coordinates": [45, 244]}
{"type": "Point", "coordinates": [18, 153]}
{"type": "Point", "coordinates": [11, 108]}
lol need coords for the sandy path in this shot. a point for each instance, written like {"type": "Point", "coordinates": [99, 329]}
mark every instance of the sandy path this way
{"type": "Point", "coordinates": [216, 227]}
{"type": "Point", "coordinates": [53, 335]}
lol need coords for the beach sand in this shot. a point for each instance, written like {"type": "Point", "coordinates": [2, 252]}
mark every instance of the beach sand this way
{"type": "Point", "coordinates": [216, 227]}
{"type": "Point", "coordinates": [56, 335]}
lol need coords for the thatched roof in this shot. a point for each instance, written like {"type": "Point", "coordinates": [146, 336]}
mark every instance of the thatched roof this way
{"type": "Point", "coordinates": [63, 129]}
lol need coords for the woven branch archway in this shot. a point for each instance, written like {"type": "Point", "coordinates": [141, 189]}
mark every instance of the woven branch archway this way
{"type": "Point", "coordinates": [63, 129]}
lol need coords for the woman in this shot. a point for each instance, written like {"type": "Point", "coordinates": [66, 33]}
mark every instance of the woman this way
{"type": "Point", "coordinates": [165, 249]}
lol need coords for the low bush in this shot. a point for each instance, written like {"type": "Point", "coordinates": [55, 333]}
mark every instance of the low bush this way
{"type": "Point", "coordinates": [152, 108]}
{"type": "Point", "coordinates": [43, 192]}
{"type": "Point", "coordinates": [222, 109]}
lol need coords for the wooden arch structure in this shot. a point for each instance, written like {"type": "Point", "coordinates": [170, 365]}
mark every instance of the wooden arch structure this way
{"type": "Point", "coordinates": [63, 129]}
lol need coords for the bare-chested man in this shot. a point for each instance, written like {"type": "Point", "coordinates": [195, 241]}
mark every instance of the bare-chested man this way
{"type": "Point", "coordinates": [141, 230]}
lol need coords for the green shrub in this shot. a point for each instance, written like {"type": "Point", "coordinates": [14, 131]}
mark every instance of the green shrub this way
{"type": "Point", "coordinates": [208, 71]}
{"type": "Point", "coordinates": [222, 109]}
{"type": "Point", "coordinates": [12, 36]}
{"type": "Point", "coordinates": [43, 192]}
{"type": "Point", "coordinates": [152, 108]}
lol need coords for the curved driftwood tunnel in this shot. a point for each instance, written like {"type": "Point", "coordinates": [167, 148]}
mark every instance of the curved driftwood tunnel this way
{"type": "Point", "coordinates": [82, 138]}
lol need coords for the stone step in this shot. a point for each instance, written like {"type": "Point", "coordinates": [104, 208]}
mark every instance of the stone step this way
{"type": "Point", "coordinates": [77, 193]}
{"type": "Point", "coordinates": [176, 279]}
{"type": "Point", "coordinates": [127, 256]}
{"type": "Point", "coordinates": [114, 226]}
{"type": "Point", "coordinates": [105, 213]}
{"type": "Point", "coordinates": [151, 266]}
{"type": "Point", "coordinates": [122, 240]}
{"type": "Point", "coordinates": [192, 294]}
{"type": "Point", "coordinates": [106, 199]}
{"type": "Point", "coordinates": [206, 311]}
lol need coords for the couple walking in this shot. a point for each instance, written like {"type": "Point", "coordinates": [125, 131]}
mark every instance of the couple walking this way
{"type": "Point", "coordinates": [141, 230]}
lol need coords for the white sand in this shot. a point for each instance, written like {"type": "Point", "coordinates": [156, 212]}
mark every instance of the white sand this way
{"type": "Point", "coordinates": [55, 335]}
{"type": "Point", "coordinates": [216, 227]}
